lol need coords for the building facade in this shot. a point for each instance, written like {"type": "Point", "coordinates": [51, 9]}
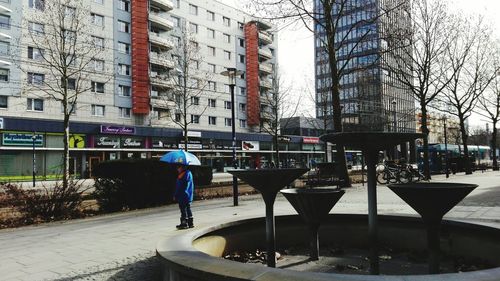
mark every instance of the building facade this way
{"type": "Point", "coordinates": [371, 98]}
{"type": "Point", "coordinates": [130, 104]}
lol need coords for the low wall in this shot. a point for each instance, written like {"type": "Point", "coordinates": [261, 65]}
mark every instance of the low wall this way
{"type": "Point", "coordinates": [195, 256]}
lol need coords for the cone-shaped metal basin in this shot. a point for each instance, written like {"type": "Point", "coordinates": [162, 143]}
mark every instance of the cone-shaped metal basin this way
{"type": "Point", "coordinates": [313, 205]}
{"type": "Point", "coordinates": [432, 201]}
{"type": "Point", "coordinates": [268, 182]}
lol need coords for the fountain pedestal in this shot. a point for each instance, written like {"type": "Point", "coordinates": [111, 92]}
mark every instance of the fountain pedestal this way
{"type": "Point", "coordinates": [313, 206]}
{"type": "Point", "coordinates": [371, 143]}
{"type": "Point", "coordinates": [268, 182]}
{"type": "Point", "coordinates": [432, 201]}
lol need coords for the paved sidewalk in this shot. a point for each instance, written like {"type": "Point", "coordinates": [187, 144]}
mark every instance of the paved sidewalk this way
{"type": "Point", "coordinates": [122, 246]}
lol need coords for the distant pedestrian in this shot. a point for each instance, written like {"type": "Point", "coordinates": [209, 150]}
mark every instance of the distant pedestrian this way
{"type": "Point", "coordinates": [184, 188]}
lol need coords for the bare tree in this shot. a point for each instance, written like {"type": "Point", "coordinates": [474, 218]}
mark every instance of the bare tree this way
{"type": "Point", "coordinates": [63, 55]}
{"type": "Point", "coordinates": [277, 104]}
{"type": "Point", "coordinates": [190, 84]}
{"type": "Point", "coordinates": [416, 59]}
{"type": "Point", "coordinates": [470, 61]}
{"type": "Point", "coordinates": [336, 48]}
{"type": "Point", "coordinates": [489, 104]}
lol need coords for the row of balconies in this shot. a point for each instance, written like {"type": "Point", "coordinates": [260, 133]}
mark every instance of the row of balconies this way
{"type": "Point", "coordinates": [165, 5]}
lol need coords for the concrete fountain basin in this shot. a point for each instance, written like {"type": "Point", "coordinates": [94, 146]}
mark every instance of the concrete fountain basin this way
{"type": "Point", "coordinates": [196, 255]}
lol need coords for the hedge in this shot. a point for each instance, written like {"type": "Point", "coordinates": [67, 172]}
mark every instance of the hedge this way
{"type": "Point", "coordinates": [139, 183]}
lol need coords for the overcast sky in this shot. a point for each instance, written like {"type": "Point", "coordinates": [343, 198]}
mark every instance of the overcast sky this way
{"type": "Point", "coordinates": [295, 49]}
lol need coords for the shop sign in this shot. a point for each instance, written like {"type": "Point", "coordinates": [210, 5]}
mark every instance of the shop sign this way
{"type": "Point", "coordinates": [18, 139]}
{"type": "Point", "coordinates": [310, 140]}
{"type": "Point", "coordinates": [284, 139]}
{"type": "Point", "coordinates": [77, 141]}
{"type": "Point", "coordinates": [117, 130]}
{"type": "Point", "coordinates": [193, 134]}
{"type": "Point", "coordinates": [164, 143]}
{"type": "Point", "coordinates": [1, 123]}
{"type": "Point", "coordinates": [132, 143]}
{"type": "Point", "coordinates": [250, 145]}
{"type": "Point", "coordinates": [107, 142]}
{"type": "Point", "coordinates": [191, 146]}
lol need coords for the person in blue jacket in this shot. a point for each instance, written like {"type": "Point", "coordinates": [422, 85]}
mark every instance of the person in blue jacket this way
{"type": "Point", "coordinates": [184, 188]}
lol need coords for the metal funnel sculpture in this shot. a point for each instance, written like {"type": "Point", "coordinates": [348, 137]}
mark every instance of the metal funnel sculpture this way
{"type": "Point", "coordinates": [432, 201]}
{"type": "Point", "coordinates": [313, 206]}
{"type": "Point", "coordinates": [268, 182]}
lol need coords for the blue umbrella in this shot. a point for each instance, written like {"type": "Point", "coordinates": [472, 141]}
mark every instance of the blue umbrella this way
{"type": "Point", "coordinates": [181, 157]}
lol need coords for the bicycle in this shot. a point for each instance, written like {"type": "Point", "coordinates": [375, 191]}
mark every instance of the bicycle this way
{"type": "Point", "coordinates": [389, 172]}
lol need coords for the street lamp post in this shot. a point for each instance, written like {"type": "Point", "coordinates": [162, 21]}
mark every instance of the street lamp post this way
{"type": "Point", "coordinates": [33, 138]}
{"type": "Point", "coordinates": [231, 73]}
{"type": "Point", "coordinates": [395, 124]}
{"type": "Point", "coordinates": [446, 148]}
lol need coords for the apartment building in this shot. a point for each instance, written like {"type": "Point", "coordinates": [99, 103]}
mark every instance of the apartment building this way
{"type": "Point", "coordinates": [127, 102]}
{"type": "Point", "coordinates": [371, 98]}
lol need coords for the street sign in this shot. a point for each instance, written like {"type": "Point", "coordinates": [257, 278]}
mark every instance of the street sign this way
{"type": "Point", "coordinates": [284, 138]}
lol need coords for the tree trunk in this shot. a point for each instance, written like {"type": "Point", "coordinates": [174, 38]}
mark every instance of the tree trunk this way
{"type": "Point", "coordinates": [66, 150]}
{"type": "Point", "coordinates": [494, 146]}
{"type": "Point", "coordinates": [468, 169]}
{"type": "Point", "coordinates": [425, 131]}
{"type": "Point", "coordinates": [277, 150]}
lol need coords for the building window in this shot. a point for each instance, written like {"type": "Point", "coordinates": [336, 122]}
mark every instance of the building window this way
{"type": "Point", "coordinates": [177, 3]}
{"type": "Point", "coordinates": [124, 91]}
{"type": "Point", "coordinates": [37, 4]}
{"type": "Point", "coordinates": [35, 78]}
{"type": "Point", "coordinates": [35, 53]}
{"type": "Point", "coordinates": [210, 33]}
{"type": "Point", "coordinates": [211, 85]}
{"type": "Point", "coordinates": [97, 19]}
{"type": "Point", "coordinates": [97, 87]}
{"type": "Point", "coordinates": [98, 42]}
{"type": "Point", "coordinates": [4, 48]}
{"type": "Point", "coordinates": [98, 110]}
{"type": "Point", "coordinates": [212, 102]}
{"type": "Point", "coordinates": [4, 75]}
{"type": "Point", "coordinates": [226, 21]}
{"type": "Point", "coordinates": [36, 28]}
{"type": "Point", "coordinates": [124, 69]}
{"type": "Point", "coordinates": [212, 120]}
{"type": "Point", "coordinates": [193, 27]}
{"type": "Point", "coordinates": [176, 21]}
{"type": "Point", "coordinates": [227, 105]}
{"type": "Point", "coordinates": [210, 16]}
{"type": "Point", "coordinates": [124, 112]}
{"type": "Point", "coordinates": [243, 123]}
{"type": "Point", "coordinates": [71, 108]}
{"type": "Point", "coordinates": [195, 100]}
{"type": "Point", "coordinates": [228, 122]}
{"type": "Point", "coordinates": [99, 2]}
{"type": "Point", "coordinates": [243, 91]}
{"type": "Point", "coordinates": [241, 42]}
{"type": "Point", "coordinates": [227, 55]}
{"type": "Point", "coordinates": [3, 102]}
{"type": "Point", "coordinates": [211, 50]}
{"type": "Point", "coordinates": [69, 11]}
{"type": "Point", "coordinates": [123, 26]}
{"type": "Point", "coordinates": [193, 10]}
{"type": "Point", "coordinates": [212, 68]}
{"type": "Point", "coordinates": [35, 104]}
{"type": "Point", "coordinates": [243, 107]}
{"type": "Point", "coordinates": [241, 25]}
{"type": "Point", "coordinates": [124, 5]}
{"type": "Point", "coordinates": [4, 21]}
{"type": "Point", "coordinates": [124, 48]}
{"type": "Point", "coordinates": [177, 117]}
{"type": "Point", "coordinates": [70, 83]}
{"type": "Point", "coordinates": [227, 38]}
{"type": "Point", "coordinates": [241, 58]}
{"type": "Point", "coordinates": [98, 65]}
{"type": "Point", "coordinates": [195, 119]}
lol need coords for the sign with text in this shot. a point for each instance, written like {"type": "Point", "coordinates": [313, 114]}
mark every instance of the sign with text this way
{"type": "Point", "coordinates": [19, 139]}
{"type": "Point", "coordinates": [117, 130]}
{"type": "Point", "coordinates": [310, 140]}
{"type": "Point", "coordinates": [107, 142]}
{"type": "Point", "coordinates": [77, 141]}
{"type": "Point", "coordinates": [132, 142]}
{"type": "Point", "coordinates": [284, 139]}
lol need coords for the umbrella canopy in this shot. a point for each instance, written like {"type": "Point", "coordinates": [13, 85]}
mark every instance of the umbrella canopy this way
{"type": "Point", "coordinates": [181, 157]}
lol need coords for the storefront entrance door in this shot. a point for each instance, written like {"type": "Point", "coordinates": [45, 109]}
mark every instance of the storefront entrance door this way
{"type": "Point", "coordinates": [93, 162]}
